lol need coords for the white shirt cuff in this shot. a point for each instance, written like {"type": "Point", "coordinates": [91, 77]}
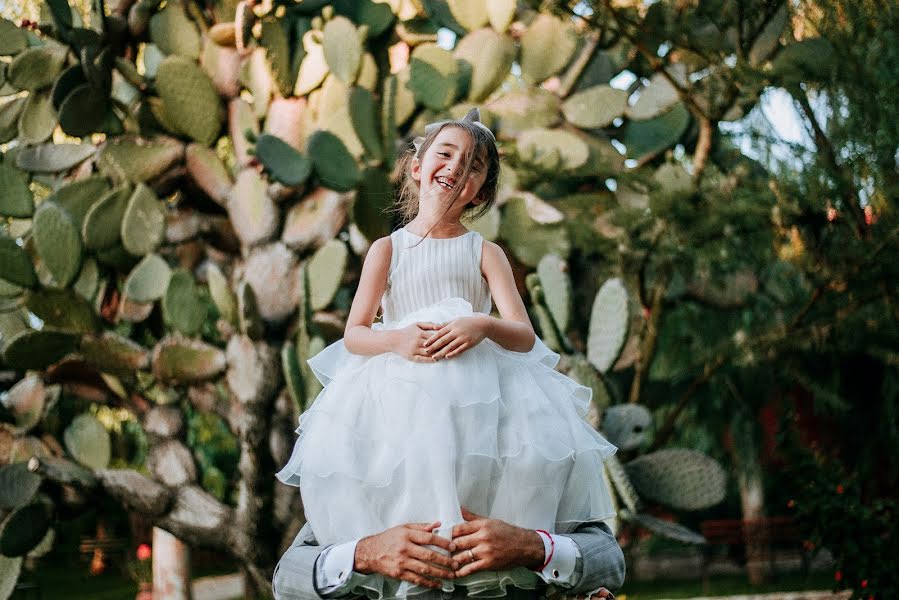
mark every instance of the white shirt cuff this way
{"type": "Point", "coordinates": [335, 565]}
{"type": "Point", "coordinates": [560, 567]}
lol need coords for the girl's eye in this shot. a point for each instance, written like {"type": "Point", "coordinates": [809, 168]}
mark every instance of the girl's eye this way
{"type": "Point", "coordinates": [444, 154]}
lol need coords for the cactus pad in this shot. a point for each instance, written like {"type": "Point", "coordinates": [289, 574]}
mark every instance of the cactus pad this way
{"type": "Point", "coordinates": [174, 33]}
{"type": "Point", "coordinates": [101, 228]}
{"type": "Point", "coordinates": [208, 171]}
{"type": "Point", "coordinates": [528, 239]}
{"type": "Point", "coordinates": [253, 213]}
{"type": "Point", "coordinates": [18, 485]}
{"type": "Point", "coordinates": [52, 158]}
{"type": "Point", "coordinates": [31, 349]}
{"type": "Point", "coordinates": [113, 353]}
{"type": "Point", "coordinates": [38, 118]}
{"type": "Point", "coordinates": [12, 41]}
{"type": "Point", "coordinates": [470, 14]}
{"type": "Point", "coordinates": [668, 529]}
{"type": "Point", "coordinates": [363, 114]}
{"type": "Point", "coordinates": [58, 242]}
{"type": "Point", "coordinates": [374, 197]}
{"type": "Point", "coordinates": [63, 310]}
{"type": "Point", "coordinates": [608, 325]}
{"type": "Point", "coordinates": [556, 284]}
{"type": "Point", "coordinates": [221, 294]}
{"type": "Point", "coordinates": [334, 165]}
{"type": "Point", "coordinates": [434, 76]}
{"type": "Point", "coordinates": [143, 223]}
{"type": "Point", "coordinates": [342, 49]}
{"type": "Point", "coordinates": [190, 100]}
{"type": "Point", "coordinates": [595, 107]}
{"type": "Point", "coordinates": [535, 145]}
{"type": "Point", "coordinates": [148, 280]}
{"type": "Point", "coordinates": [16, 199]}
{"type": "Point", "coordinates": [281, 161]}
{"type": "Point", "coordinates": [137, 160]}
{"type": "Point", "coordinates": [24, 529]}
{"type": "Point", "coordinates": [490, 55]}
{"type": "Point", "coordinates": [15, 264]}
{"type": "Point", "coordinates": [182, 361]}
{"type": "Point", "coordinates": [500, 13]}
{"type": "Point", "coordinates": [36, 68]}
{"type": "Point", "coordinates": [182, 308]}
{"type": "Point", "coordinates": [546, 47]}
{"type": "Point", "coordinates": [88, 441]}
{"type": "Point", "coordinates": [626, 425]}
{"type": "Point", "coordinates": [679, 478]}
{"type": "Point", "coordinates": [645, 138]}
{"type": "Point", "coordinates": [326, 269]}
{"type": "Point", "coordinates": [25, 401]}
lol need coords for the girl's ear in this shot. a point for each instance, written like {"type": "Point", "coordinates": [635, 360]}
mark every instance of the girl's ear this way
{"type": "Point", "coordinates": [415, 170]}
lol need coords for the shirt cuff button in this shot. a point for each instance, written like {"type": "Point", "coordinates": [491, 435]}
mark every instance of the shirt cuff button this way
{"type": "Point", "coordinates": [556, 573]}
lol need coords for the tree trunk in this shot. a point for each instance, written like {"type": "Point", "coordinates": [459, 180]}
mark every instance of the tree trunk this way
{"type": "Point", "coordinates": [171, 567]}
{"type": "Point", "coordinates": [752, 498]}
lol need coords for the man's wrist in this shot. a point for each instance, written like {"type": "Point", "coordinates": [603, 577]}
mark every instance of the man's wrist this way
{"type": "Point", "coordinates": [534, 552]}
{"type": "Point", "coordinates": [360, 564]}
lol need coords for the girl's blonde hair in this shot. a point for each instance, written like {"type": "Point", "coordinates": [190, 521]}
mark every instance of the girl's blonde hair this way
{"type": "Point", "coordinates": [482, 146]}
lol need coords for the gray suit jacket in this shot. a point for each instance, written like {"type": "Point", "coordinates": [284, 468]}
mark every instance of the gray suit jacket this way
{"type": "Point", "coordinates": [602, 566]}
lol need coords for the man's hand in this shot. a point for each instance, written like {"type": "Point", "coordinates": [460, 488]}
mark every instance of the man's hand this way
{"type": "Point", "coordinates": [484, 544]}
{"type": "Point", "coordinates": [401, 553]}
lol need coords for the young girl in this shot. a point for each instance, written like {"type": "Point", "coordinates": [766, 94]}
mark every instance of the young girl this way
{"type": "Point", "coordinates": [441, 406]}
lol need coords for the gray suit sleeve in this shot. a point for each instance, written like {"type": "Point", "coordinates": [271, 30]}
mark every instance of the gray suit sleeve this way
{"type": "Point", "coordinates": [601, 556]}
{"type": "Point", "coordinates": [295, 573]}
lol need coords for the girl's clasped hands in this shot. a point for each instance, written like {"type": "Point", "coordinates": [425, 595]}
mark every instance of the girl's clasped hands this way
{"type": "Point", "coordinates": [431, 342]}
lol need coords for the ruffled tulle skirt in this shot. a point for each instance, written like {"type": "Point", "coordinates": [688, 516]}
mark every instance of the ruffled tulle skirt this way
{"type": "Point", "coordinates": [391, 441]}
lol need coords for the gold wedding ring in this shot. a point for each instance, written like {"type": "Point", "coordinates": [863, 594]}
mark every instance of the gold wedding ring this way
{"type": "Point", "coordinates": [471, 554]}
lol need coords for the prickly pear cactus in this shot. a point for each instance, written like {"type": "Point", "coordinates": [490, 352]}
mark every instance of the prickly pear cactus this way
{"type": "Point", "coordinates": [186, 194]}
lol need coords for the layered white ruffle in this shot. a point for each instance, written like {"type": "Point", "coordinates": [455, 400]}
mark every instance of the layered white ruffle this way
{"type": "Point", "coordinates": [391, 441]}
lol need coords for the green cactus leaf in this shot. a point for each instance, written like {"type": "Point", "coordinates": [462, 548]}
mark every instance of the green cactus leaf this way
{"type": "Point", "coordinates": [62, 310]}
{"type": "Point", "coordinates": [31, 349]}
{"type": "Point", "coordinates": [249, 319]}
{"type": "Point", "coordinates": [500, 14]}
{"type": "Point", "coordinates": [253, 214]}
{"type": "Point", "coordinates": [182, 308]}
{"type": "Point", "coordinates": [113, 353]}
{"type": "Point", "coordinates": [377, 16]}
{"type": "Point", "coordinates": [53, 158]}
{"type": "Point", "coordinates": [18, 485]}
{"type": "Point", "coordinates": [191, 101]}
{"type": "Point", "coordinates": [25, 401]}
{"type": "Point", "coordinates": [404, 101]}
{"type": "Point", "coordinates": [326, 269]}
{"type": "Point", "coordinates": [15, 264]}
{"type": "Point", "coordinates": [143, 223]}
{"type": "Point", "coordinates": [181, 361]}
{"type": "Point", "coordinates": [12, 41]}
{"type": "Point", "coordinates": [88, 282]}
{"type": "Point", "coordinates": [102, 222]}
{"type": "Point", "coordinates": [38, 118]}
{"type": "Point", "coordinates": [608, 325]}
{"type": "Point", "coordinates": [293, 377]}
{"type": "Point", "coordinates": [138, 160]}
{"type": "Point", "coordinates": [470, 14]}
{"type": "Point", "coordinates": [342, 49]}
{"type": "Point", "coordinates": [58, 242]}
{"type": "Point", "coordinates": [24, 529]}
{"type": "Point", "coordinates": [334, 115]}
{"type": "Point", "coordinates": [221, 294]}
{"type": "Point", "coordinates": [10, 112]}
{"type": "Point", "coordinates": [490, 55]}
{"type": "Point", "coordinates": [528, 239]}
{"type": "Point", "coordinates": [811, 57]}
{"type": "Point", "coordinates": [646, 138]}
{"type": "Point", "coordinates": [9, 567]}
{"type": "Point", "coordinates": [83, 111]}
{"type": "Point", "coordinates": [71, 78]}
{"type": "Point", "coordinates": [546, 47]}
{"type": "Point", "coordinates": [16, 199]}
{"type": "Point", "coordinates": [174, 33]}
{"type": "Point", "coordinates": [314, 67]}
{"type": "Point", "coordinates": [626, 425]}
{"type": "Point", "coordinates": [37, 68]}
{"type": "Point", "coordinates": [88, 441]}
{"type": "Point", "coordinates": [334, 165]}
{"type": "Point", "coordinates": [655, 99]}
{"type": "Point", "coordinates": [520, 110]}
{"type": "Point", "coordinates": [374, 198]}
{"type": "Point", "coordinates": [622, 483]}
{"type": "Point", "coordinates": [679, 478]}
{"type": "Point", "coordinates": [595, 107]}
{"type": "Point", "coordinates": [281, 161]}
{"type": "Point", "coordinates": [537, 144]}
{"type": "Point", "coordinates": [553, 274]}
{"type": "Point", "coordinates": [78, 197]}
{"type": "Point", "coordinates": [585, 374]}
{"type": "Point", "coordinates": [148, 280]}
{"type": "Point", "coordinates": [434, 76]}
{"type": "Point", "coordinates": [208, 171]}
{"type": "Point", "coordinates": [275, 40]}
{"type": "Point", "coordinates": [668, 529]}
{"type": "Point", "coordinates": [363, 113]}
{"type": "Point", "coordinates": [368, 73]}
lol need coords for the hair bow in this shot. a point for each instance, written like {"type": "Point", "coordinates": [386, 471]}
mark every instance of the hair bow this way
{"type": "Point", "coordinates": [473, 117]}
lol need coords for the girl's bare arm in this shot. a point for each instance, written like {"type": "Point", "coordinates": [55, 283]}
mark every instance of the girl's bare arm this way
{"type": "Point", "coordinates": [514, 330]}
{"type": "Point", "coordinates": [359, 337]}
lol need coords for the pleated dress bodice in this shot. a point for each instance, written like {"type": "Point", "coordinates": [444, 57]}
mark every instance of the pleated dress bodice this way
{"type": "Point", "coordinates": [435, 269]}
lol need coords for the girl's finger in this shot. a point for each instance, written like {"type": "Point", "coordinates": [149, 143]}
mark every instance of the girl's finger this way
{"type": "Point", "coordinates": [438, 341]}
{"type": "Point", "coordinates": [458, 350]}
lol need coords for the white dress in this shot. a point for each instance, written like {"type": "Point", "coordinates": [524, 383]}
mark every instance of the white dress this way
{"type": "Point", "coordinates": [391, 441]}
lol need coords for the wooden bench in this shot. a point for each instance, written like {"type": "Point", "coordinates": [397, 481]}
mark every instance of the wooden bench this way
{"type": "Point", "coordinates": [101, 550]}
{"type": "Point", "coordinates": [764, 536]}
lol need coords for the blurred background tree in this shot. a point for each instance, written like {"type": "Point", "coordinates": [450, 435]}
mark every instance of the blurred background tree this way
{"type": "Point", "coordinates": [188, 191]}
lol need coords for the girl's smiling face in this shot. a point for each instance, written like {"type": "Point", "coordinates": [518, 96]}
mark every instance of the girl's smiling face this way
{"type": "Point", "coordinates": [440, 170]}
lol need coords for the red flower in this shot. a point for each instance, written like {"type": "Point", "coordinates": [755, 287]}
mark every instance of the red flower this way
{"type": "Point", "coordinates": [838, 576]}
{"type": "Point", "coordinates": [840, 489]}
{"type": "Point", "coordinates": [864, 583]}
{"type": "Point", "coordinates": [791, 504]}
{"type": "Point", "coordinates": [144, 552]}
